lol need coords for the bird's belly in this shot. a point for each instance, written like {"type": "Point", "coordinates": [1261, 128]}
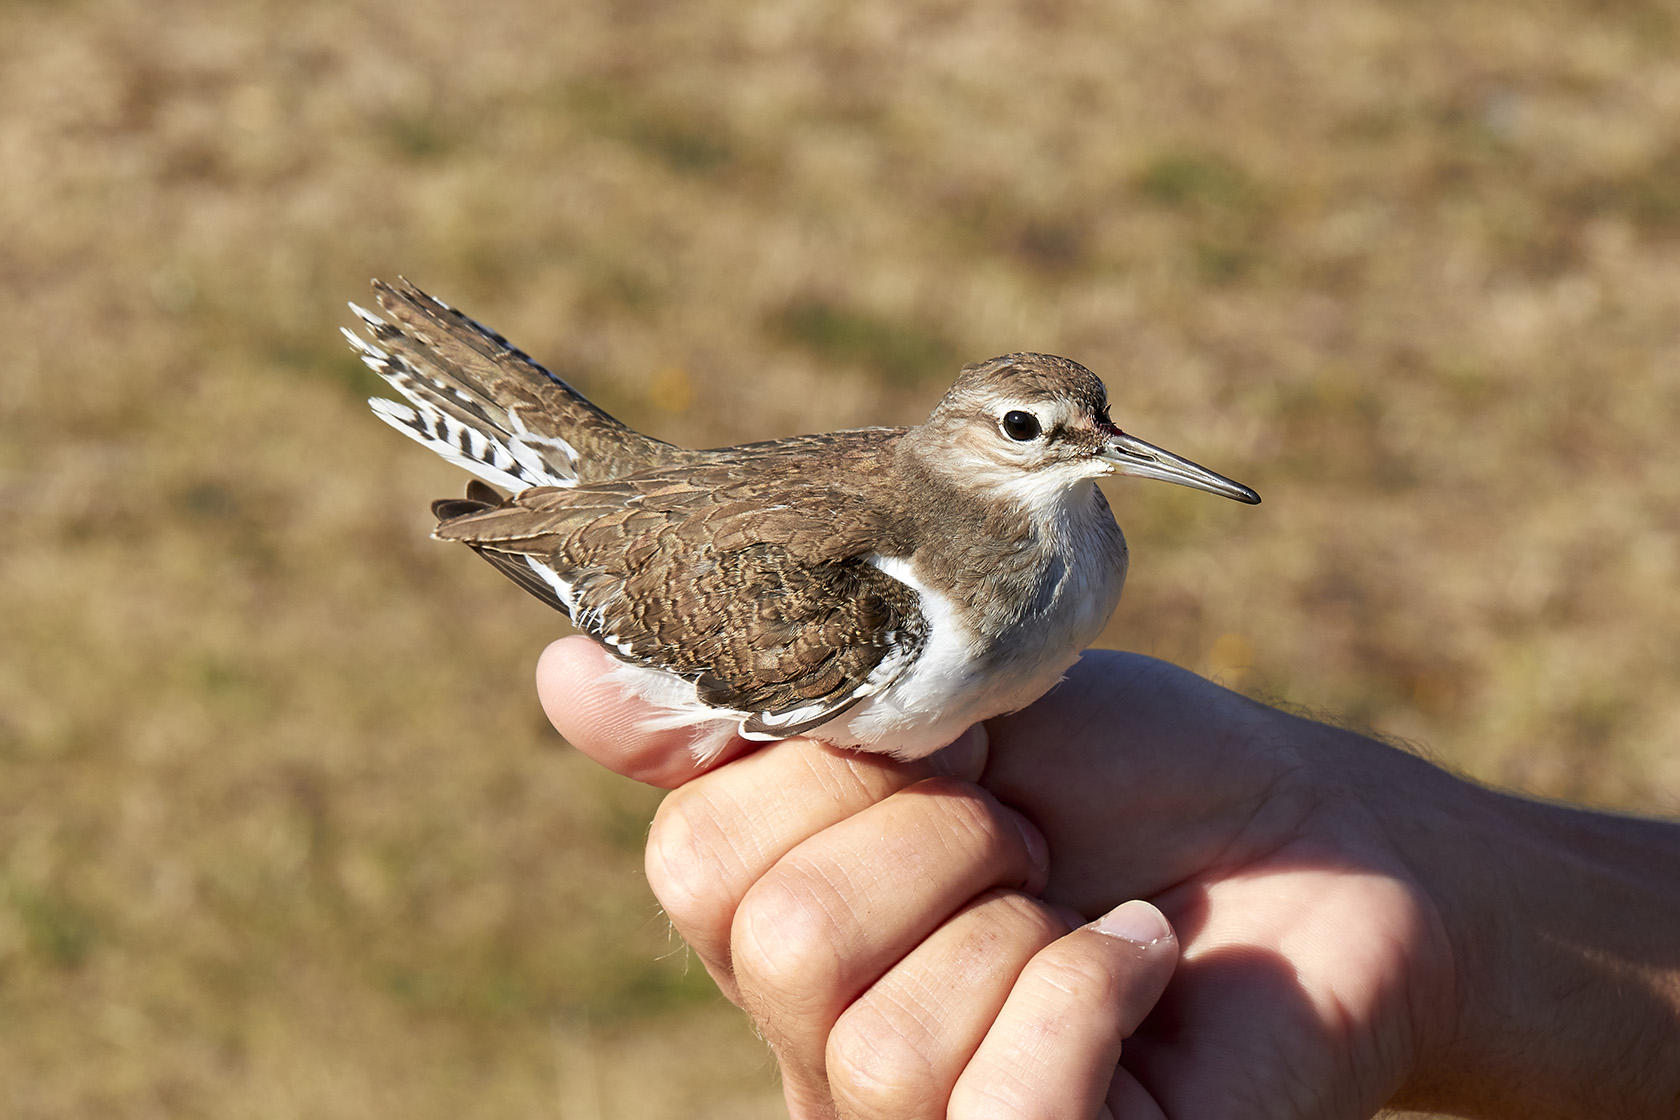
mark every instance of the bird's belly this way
{"type": "Point", "coordinates": [926, 711]}
{"type": "Point", "coordinates": [958, 681]}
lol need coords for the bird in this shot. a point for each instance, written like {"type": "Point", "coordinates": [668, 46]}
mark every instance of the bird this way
{"type": "Point", "coordinates": [880, 588]}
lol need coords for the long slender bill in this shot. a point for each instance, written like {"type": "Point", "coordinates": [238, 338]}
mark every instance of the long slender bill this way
{"type": "Point", "coordinates": [1133, 456]}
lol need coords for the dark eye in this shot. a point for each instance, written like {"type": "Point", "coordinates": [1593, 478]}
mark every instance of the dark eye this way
{"type": "Point", "coordinates": [1020, 426]}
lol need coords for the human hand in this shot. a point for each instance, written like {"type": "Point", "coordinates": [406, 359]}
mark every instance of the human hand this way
{"type": "Point", "coordinates": [1316, 976]}
{"type": "Point", "coordinates": [878, 921]}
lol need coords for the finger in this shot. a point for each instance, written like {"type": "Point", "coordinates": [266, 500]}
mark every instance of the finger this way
{"type": "Point", "coordinates": [1129, 1100]}
{"type": "Point", "coordinates": [716, 836]}
{"type": "Point", "coordinates": [898, 1050]}
{"type": "Point", "coordinates": [842, 908]}
{"type": "Point", "coordinates": [599, 718]}
{"type": "Point", "coordinates": [1053, 1048]}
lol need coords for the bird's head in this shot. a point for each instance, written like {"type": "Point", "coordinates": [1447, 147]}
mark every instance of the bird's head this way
{"type": "Point", "coordinates": [1035, 426]}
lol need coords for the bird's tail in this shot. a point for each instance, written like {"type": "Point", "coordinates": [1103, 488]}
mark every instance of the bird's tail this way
{"type": "Point", "coordinates": [486, 406]}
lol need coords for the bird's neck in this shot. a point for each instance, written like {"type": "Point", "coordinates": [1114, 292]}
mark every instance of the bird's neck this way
{"type": "Point", "coordinates": [1006, 554]}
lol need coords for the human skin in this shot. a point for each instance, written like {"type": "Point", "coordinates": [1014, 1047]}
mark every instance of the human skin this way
{"type": "Point", "coordinates": [1354, 926]}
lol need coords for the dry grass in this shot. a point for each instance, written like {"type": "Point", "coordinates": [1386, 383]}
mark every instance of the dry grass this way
{"type": "Point", "coordinates": [283, 832]}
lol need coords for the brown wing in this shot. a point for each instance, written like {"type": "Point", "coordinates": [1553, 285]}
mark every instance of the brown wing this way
{"type": "Point", "coordinates": [775, 613]}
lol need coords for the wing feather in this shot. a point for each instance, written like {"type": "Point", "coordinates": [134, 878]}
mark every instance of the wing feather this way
{"type": "Point", "coordinates": [778, 615]}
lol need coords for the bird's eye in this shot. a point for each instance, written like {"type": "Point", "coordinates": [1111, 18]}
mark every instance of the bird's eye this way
{"type": "Point", "coordinates": [1020, 426]}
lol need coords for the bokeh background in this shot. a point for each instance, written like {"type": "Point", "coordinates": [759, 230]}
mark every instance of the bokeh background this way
{"type": "Point", "coordinates": [283, 832]}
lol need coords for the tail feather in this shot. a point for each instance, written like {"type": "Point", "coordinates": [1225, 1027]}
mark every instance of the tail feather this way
{"type": "Point", "coordinates": [486, 406]}
{"type": "Point", "coordinates": [479, 498]}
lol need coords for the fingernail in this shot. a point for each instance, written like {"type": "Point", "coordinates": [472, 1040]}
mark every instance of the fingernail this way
{"type": "Point", "coordinates": [1037, 849]}
{"type": "Point", "coordinates": [1136, 921]}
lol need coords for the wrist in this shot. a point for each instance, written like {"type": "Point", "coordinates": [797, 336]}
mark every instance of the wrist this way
{"type": "Point", "coordinates": [1563, 998]}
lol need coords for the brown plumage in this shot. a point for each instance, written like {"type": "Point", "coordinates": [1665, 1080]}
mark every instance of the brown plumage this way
{"type": "Point", "coordinates": [919, 579]}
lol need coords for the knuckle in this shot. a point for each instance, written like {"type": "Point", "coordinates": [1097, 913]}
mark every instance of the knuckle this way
{"type": "Point", "coordinates": [785, 942]}
{"type": "Point", "coordinates": [1035, 921]}
{"type": "Point", "coordinates": [969, 814]}
{"type": "Point", "coordinates": [691, 865]}
{"type": "Point", "coordinates": [876, 1069]}
{"type": "Point", "coordinates": [1077, 970]}
{"type": "Point", "coordinates": [1004, 1097]}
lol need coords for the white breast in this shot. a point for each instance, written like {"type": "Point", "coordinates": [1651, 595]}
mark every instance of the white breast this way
{"type": "Point", "coordinates": [957, 681]}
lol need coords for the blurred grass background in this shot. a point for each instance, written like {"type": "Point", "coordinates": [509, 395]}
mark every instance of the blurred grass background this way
{"type": "Point", "coordinates": [282, 830]}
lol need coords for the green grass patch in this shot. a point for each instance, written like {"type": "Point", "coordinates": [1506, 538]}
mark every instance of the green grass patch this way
{"type": "Point", "coordinates": [56, 928]}
{"type": "Point", "coordinates": [1199, 182]}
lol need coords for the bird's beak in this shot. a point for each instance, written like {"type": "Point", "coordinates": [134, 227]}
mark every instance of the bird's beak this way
{"type": "Point", "coordinates": [1131, 455]}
